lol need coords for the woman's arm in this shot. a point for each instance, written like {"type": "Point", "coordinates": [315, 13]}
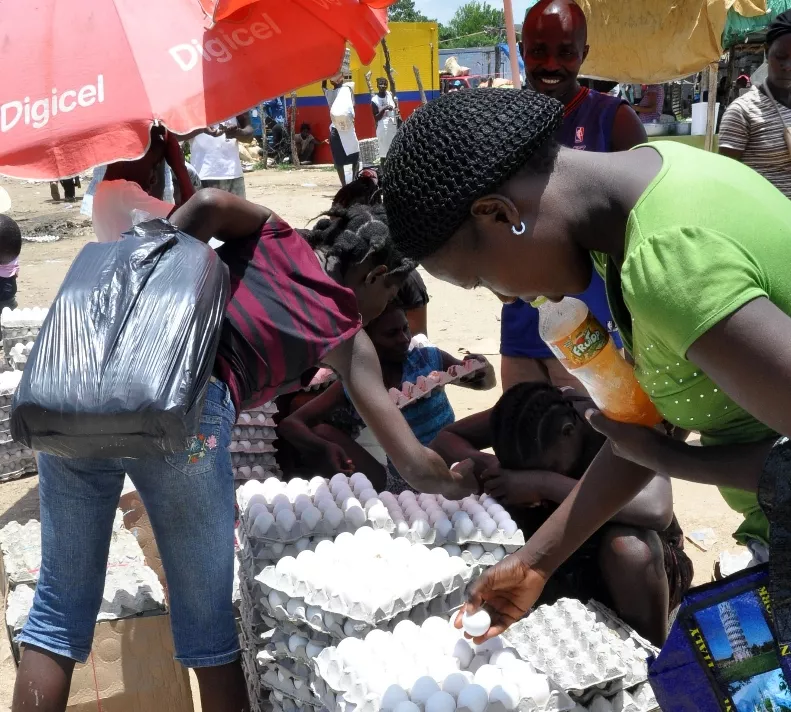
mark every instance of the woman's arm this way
{"type": "Point", "coordinates": [243, 131]}
{"type": "Point", "coordinates": [650, 107]}
{"type": "Point", "coordinates": [482, 380]}
{"type": "Point", "coordinates": [216, 213]}
{"type": "Point", "coordinates": [627, 130]}
{"type": "Point", "coordinates": [358, 365]}
{"type": "Point", "coordinates": [464, 440]}
{"type": "Point", "coordinates": [175, 159]}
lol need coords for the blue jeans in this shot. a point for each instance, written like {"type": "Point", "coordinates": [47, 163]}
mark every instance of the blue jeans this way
{"type": "Point", "coordinates": [190, 501]}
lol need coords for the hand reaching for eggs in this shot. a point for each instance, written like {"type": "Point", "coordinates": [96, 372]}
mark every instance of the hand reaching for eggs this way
{"type": "Point", "coordinates": [515, 487]}
{"type": "Point", "coordinates": [337, 457]}
{"type": "Point", "coordinates": [507, 591]}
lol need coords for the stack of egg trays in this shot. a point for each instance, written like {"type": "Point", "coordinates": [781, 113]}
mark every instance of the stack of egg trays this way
{"type": "Point", "coordinates": [16, 460]}
{"type": "Point", "coordinates": [20, 326]}
{"type": "Point", "coordinates": [253, 453]}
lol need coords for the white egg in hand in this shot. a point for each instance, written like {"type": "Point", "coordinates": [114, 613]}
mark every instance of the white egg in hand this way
{"type": "Point", "coordinates": [423, 688]}
{"type": "Point", "coordinates": [473, 698]}
{"type": "Point", "coordinates": [440, 702]}
{"type": "Point", "coordinates": [476, 624]}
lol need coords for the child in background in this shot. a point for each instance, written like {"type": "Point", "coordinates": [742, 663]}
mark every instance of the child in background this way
{"type": "Point", "coordinates": [10, 247]}
{"type": "Point", "coordinates": [635, 564]}
{"type": "Point", "coordinates": [324, 429]}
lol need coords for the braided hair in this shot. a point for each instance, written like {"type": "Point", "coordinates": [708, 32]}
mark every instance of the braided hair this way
{"type": "Point", "coordinates": [525, 422]}
{"type": "Point", "coordinates": [351, 235]}
{"type": "Point", "coordinates": [457, 149]}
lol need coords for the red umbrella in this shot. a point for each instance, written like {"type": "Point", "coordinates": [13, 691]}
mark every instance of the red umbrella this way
{"type": "Point", "coordinates": [84, 81]}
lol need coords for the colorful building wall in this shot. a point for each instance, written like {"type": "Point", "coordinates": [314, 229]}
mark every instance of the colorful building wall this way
{"type": "Point", "coordinates": [410, 44]}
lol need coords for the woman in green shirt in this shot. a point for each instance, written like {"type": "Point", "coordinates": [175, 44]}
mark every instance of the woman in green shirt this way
{"type": "Point", "coordinates": [695, 251]}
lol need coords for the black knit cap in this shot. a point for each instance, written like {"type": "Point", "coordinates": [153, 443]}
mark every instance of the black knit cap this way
{"type": "Point", "coordinates": [454, 150]}
{"type": "Point", "coordinates": [779, 27]}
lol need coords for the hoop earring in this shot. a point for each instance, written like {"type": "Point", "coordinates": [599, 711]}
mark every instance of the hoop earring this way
{"type": "Point", "coordinates": [518, 230]}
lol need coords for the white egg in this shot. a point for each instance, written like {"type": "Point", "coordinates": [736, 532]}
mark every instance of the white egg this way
{"type": "Point", "coordinates": [285, 519]}
{"type": "Point", "coordinates": [500, 517]}
{"type": "Point", "coordinates": [455, 683]}
{"type": "Point", "coordinates": [450, 506]}
{"type": "Point", "coordinates": [423, 688]}
{"type": "Point", "coordinates": [440, 702]}
{"type": "Point", "coordinates": [355, 516]}
{"type": "Point", "coordinates": [406, 631]}
{"type": "Point", "coordinates": [330, 620]}
{"type": "Point", "coordinates": [315, 484]}
{"type": "Point", "coordinates": [478, 662]}
{"type": "Point", "coordinates": [444, 528]}
{"type": "Point", "coordinates": [367, 494]}
{"type": "Point", "coordinates": [475, 550]}
{"type": "Point", "coordinates": [437, 516]}
{"type": "Point", "coordinates": [517, 669]}
{"type": "Point", "coordinates": [463, 652]}
{"type": "Point", "coordinates": [296, 487]}
{"type": "Point", "coordinates": [488, 527]}
{"type": "Point", "coordinates": [476, 624]}
{"type": "Point", "coordinates": [301, 503]}
{"type": "Point", "coordinates": [263, 523]}
{"type": "Point", "coordinates": [295, 608]}
{"type": "Point", "coordinates": [507, 694]}
{"type": "Point", "coordinates": [489, 646]}
{"type": "Point", "coordinates": [406, 707]}
{"type": "Point", "coordinates": [488, 677]}
{"type": "Point", "coordinates": [339, 479]}
{"type": "Point", "coordinates": [473, 698]}
{"type": "Point", "coordinates": [277, 548]}
{"type": "Point", "coordinates": [314, 615]}
{"type": "Point", "coordinates": [392, 697]}
{"type": "Point", "coordinates": [498, 553]}
{"type": "Point", "coordinates": [295, 642]}
{"type": "Point", "coordinates": [280, 500]}
{"type": "Point", "coordinates": [333, 517]}
{"type": "Point", "coordinates": [325, 503]}
{"type": "Point", "coordinates": [465, 527]}
{"type": "Point", "coordinates": [302, 544]}
{"type": "Point", "coordinates": [379, 515]}
{"type": "Point", "coordinates": [509, 528]}
{"type": "Point", "coordinates": [325, 549]}
{"type": "Point", "coordinates": [421, 528]}
{"type": "Point", "coordinates": [493, 507]}
{"type": "Point", "coordinates": [313, 650]}
{"type": "Point", "coordinates": [502, 658]}
{"type": "Point", "coordinates": [311, 516]}
{"type": "Point", "coordinates": [402, 528]}
{"type": "Point", "coordinates": [276, 599]}
{"type": "Point", "coordinates": [536, 687]}
{"type": "Point", "coordinates": [452, 549]}
{"type": "Point", "coordinates": [458, 516]}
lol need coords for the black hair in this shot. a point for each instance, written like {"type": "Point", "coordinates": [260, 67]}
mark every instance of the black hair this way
{"type": "Point", "coordinates": [779, 27]}
{"type": "Point", "coordinates": [525, 422]}
{"type": "Point", "coordinates": [305, 125]}
{"type": "Point", "coordinates": [353, 234]}
{"type": "Point", "coordinates": [10, 238]}
{"type": "Point", "coordinates": [361, 191]}
{"type": "Point", "coordinates": [457, 149]}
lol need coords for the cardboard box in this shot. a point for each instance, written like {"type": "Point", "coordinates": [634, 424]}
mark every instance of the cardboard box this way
{"type": "Point", "coordinates": [136, 521]}
{"type": "Point", "coordinates": [131, 669]}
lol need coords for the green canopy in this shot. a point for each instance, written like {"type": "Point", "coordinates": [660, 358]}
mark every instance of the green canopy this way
{"type": "Point", "coordinates": [740, 30]}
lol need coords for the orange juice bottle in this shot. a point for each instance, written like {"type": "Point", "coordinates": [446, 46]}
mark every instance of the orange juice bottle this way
{"type": "Point", "coordinates": [585, 349]}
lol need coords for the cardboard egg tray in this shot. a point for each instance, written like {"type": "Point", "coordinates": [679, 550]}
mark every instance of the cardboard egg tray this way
{"type": "Point", "coordinates": [256, 554]}
{"type": "Point", "coordinates": [254, 446]}
{"type": "Point", "coordinates": [290, 678]}
{"type": "Point", "coordinates": [256, 692]}
{"type": "Point", "coordinates": [251, 459]}
{"type": "Point", "coordinates": [281, 645]}
{"type": "Point", "coordinates": [243, 473]}
{"type": "Point", "coordinates": [638, 699]}
{"type": "Point", "coordinates": [564, 641]}
{"type": "Point", "coordinates": [632, 648]}
{"type": "Point", "coordinates": [412, 392]}
{"type": "Point", "coordinates": [247, 416]}
{"type": "Point", "coordinates": [286, 704]}
{"type": "Point", "coordinates": [324, 378]}
{"type": "Point", "coordinates": [255, 431]}
{"type": "Point", "coordinates": [357, 682]}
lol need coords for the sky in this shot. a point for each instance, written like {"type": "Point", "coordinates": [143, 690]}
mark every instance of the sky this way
{"type": "Point", "coordinates": [442, 10]}
{"type": "Point", "coordinates": [753, 624]}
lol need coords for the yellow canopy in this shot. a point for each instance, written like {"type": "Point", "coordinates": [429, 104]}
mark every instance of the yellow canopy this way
{"type": "Point", "coordinates": [654, 41]}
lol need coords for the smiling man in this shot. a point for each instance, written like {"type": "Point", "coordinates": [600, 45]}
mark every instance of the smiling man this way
{"type": "Point", "coordinates": [554, 46]}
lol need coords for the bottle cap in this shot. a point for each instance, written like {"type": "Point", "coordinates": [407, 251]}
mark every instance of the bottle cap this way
{"type": "Point", "coordinates": [538, 301]}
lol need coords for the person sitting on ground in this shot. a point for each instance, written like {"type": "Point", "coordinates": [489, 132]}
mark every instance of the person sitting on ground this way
{"type": "Point", "coordinates": [542, 447]}
{"type": "Point", "coordinates": [306, 144]}
{"type": "Point", "coordinates": [132, 191]}
{"type": "Point", "coordinates": [413, 296]}
{"type": "Point", "coordinates": [325, 428]}
{"type": "Point", "coordinates": [277, 146]}
{"type": "Point", "coordinates": [10, 247]}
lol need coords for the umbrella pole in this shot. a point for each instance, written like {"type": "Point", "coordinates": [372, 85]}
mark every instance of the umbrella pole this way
{"type": "Point", "coordinates": [510, 32]}
{"type": "Point", "coordinates": [294, 154]}
{"type": "Point", "coordinates": [711, 108]}
{"type": "Point", "coordinates": [389, 72]}
{"type": "Point", "coordinates": [262, 115]}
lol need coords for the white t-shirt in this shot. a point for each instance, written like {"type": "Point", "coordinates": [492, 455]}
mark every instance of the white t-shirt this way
{"type": "Point", "coordinates": [216, 158]}
{"type": "Point", "coordinates": [114, 206]}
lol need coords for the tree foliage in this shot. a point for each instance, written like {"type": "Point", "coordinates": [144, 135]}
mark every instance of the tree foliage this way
{"type": "Point", "coordinates": [405, 11]}
{"type": "Point", "coordinates": [474, 24]}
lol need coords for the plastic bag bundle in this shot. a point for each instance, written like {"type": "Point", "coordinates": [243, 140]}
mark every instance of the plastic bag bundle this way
{"type": "Point", "coordinates": [123, 360]}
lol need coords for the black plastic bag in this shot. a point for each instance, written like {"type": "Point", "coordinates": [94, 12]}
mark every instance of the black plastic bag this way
{"type": "Point", "coordinates": [123, 360]}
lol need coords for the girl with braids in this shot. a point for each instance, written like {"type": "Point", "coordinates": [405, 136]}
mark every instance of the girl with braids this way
{"type": "Point", "coordinates": [698, 285]}
{"type": "Point", "coordinates": [296, 302]}
{"type": "Point", "coordinates": [542, 446]}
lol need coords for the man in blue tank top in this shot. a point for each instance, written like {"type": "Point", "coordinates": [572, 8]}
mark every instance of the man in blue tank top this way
{"type": "Point", "coordinates": [554, 46]}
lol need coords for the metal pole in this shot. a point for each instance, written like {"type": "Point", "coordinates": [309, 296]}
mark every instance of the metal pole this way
{"type": "Point", "coordinates": [510, 31]}
{"type": "Point", "coordinates": [711, 114]}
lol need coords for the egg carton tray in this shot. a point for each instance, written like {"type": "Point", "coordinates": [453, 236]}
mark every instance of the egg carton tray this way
{"type": "Point", "coordinates": [424, 385]}
{"type": "Point", "coordinates": [564, 641]}
{"type": "Point", "coordinates": [30, 468]}
{"type": "Point", "coordinates": [255, 431]}
{"type": "Point", "coordinates": [26, 318]}
{"type": "Point", "coordinates": [257, 554]}
{"type": "Point", "coordinates": [254, 420]}
{"type": "Point", "coordinates": [292, 619]}
{"type": "Point", "coordinates": [243, 473]}
{"type": "Point", "coordinates": [256, 692]}
{"type": "Point", "coordinates": [347, 503]}
{"type": "Point", "coordinates": [291, 678]}
{"type": "Point", "coordinates": [287, 704]}
{"type": "Point", "coordinates": [249, 414]}
{"type": "Point", "coordinates": [324, 378]}
{"type": "Point", "coordinates": [8, 384]}
{"type": "Point", "coordinates": [638, 699]}
{"type": "Point", "coordinates": [416, 662]}
{"type": "Point", "coordinates": [256, 446]}
{"type": "Point", "coordinates": [251, 459]}
{"type": "Point", "coordinates": [631, 647]}
{"type": "Point", "coordinates": [300, 647]}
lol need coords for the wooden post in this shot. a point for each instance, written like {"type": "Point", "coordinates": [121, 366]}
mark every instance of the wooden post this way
{"type": "Point", "coordinates": [510, 31]}
{"type": "Point", "coordinates": [711, 113]}
{"type": "Point", "coordinates": [368, 82]}
{"type": "Point", "coordinates": [294, 153]}
{"type": "Point", "coordinates": [389, 72]}
{"type": "Point", "coordinates": [264, 145]}
{"type": "Point", "coordinates": [419, 84]}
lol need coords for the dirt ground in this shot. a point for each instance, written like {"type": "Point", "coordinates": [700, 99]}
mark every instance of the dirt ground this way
{"type": "Point", "coordinates": [457, 320]}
